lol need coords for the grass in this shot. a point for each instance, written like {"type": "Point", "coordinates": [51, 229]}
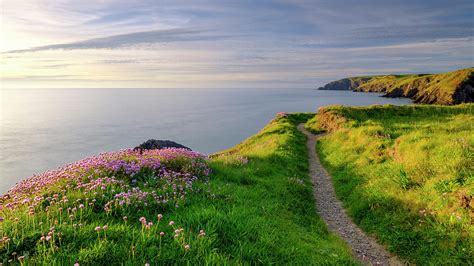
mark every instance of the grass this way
{"type": "Point", "coordinates": [312, 125]}
{"type": "Point", "coordinates": [406, 175]}
{"type": "Point", "coordinates": [256, 207]}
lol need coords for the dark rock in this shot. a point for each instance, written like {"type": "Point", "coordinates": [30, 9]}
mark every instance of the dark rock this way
{"type": "Point", "coordinates": [395, 93]}
{"type": "Point", "coordinates": [342, 84]}
{"type": "Point", "coordinates": [154, 144]}
{"type": "Point", "coordinates": [465, 92]}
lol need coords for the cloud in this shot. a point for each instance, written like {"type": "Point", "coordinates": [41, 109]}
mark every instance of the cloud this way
{"type": "Point", "coordinates": [131, 39]}
{"type": "Point", "coordinates": [38, 77]}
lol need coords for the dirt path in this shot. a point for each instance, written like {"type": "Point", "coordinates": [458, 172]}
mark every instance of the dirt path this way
{"type": "Point", "coordinates": [364, 248]}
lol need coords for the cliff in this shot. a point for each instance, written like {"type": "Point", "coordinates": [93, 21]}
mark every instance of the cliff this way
{"type": "Point", "coordinates": [445, 88]}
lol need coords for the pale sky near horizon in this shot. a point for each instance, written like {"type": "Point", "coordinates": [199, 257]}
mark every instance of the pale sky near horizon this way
{"type": "Point", "coordinates": [224, 44]}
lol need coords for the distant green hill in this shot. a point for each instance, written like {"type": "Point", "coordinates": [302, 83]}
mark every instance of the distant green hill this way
{"type": "Point", "coordinates": [445, 88]}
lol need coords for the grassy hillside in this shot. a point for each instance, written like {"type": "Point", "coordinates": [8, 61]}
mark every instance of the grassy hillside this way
{"type": "Point", "coordinates": [445, 88]}
{"type": "Point", "coordinates": [251, 204]}
{"type": "Point", "coordinates": [406, 175]}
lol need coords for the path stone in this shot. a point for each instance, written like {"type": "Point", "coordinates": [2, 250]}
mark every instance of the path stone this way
{"type": "Point", "coordinates": [364, 248]}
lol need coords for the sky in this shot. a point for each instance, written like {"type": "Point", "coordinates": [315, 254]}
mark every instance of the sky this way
{"type": "Point", "coordinates": [227, 44]}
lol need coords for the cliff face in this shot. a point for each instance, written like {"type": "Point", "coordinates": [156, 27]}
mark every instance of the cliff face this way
{"type": "Point", "coordinates": [465, 92]}
{"type": "Point", "coordinates": [345, 84]}
{"type": "Point", "coordinates": [444, 88]}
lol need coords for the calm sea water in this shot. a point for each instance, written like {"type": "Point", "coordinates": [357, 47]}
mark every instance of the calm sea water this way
{"type": "Point", "coordinates": [41, 129]}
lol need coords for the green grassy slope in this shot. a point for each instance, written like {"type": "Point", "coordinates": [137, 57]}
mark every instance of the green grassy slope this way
{"type": "Point", "coordinates": [406, 175]}
{"type": "Point", "coordinates": [445, 88]}
{"type": "Point", "coordinates": [257, 208]}
{"type": "Point", "coordinates": [271, 197]}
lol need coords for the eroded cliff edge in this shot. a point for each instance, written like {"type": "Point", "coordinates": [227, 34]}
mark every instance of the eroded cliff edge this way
{"type": "Point", "coordinates": [444, 88]}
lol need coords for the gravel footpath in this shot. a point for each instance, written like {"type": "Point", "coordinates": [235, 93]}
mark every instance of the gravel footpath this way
{"type": "Point", "coordinates": [364, 248]}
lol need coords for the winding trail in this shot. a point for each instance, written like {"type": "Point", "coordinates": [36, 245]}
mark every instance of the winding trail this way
{"type": "Point", "coordinates": [364, 248]}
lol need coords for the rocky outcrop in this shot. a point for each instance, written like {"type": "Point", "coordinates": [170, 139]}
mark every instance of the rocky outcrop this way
{"type": "Point", "coordinates": [153, 144]}
{"type": "Point", "coordinates": [345, 84]}
{"type": "Point", "coordinates": [445, 88]}
{"type": "Point", "coordinates": [465, 92]}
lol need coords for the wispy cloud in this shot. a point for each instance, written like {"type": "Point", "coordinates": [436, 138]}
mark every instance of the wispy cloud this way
{"type": "Point", "coordinates": [131, 39]}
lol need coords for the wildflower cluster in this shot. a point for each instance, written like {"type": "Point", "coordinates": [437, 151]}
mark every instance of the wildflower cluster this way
{"type": "Point", "coordinates": [111, 185]}
{"type": "Point", "coordinates": [282, 114]}
{"type": "Point", "coordinates": [123, 168]}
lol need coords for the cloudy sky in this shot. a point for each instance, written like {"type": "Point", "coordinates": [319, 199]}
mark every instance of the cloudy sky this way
{"type": "Point", "coordinates": [223, 44]}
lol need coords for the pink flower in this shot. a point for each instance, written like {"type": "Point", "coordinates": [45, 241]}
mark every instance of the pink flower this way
{"type": "Point", "coordinates": [187, 247]}
{"type": "Point", "coordinates": [76, 264]}
{"type": "Point", "coordinates": [171, 223]}
{"type": "Point", "coordinates": [105, 227]}
{"type": "Point", "coordinates": [111, 172]}
{"type": "Point", "coordinates": [97, 228]}
{"type": "Point", "coordinates": [162, 233]}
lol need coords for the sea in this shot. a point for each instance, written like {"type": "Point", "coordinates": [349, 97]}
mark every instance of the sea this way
{"type": "Point", "coordinates": [43, 129]}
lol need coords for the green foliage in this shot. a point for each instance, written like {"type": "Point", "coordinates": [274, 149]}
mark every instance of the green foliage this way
{"type": "Point", "coordinates": [405, 182]}
{"type": "Point", "coordinates": [406, 175]}
{"type": "Point", "coordinates": [312, 126]}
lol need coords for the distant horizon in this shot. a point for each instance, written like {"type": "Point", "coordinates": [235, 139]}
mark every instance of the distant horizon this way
{"type": "Point", "coordinates": [224, 87]}
{"type": "Point", "coordinates": [183, 44]}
